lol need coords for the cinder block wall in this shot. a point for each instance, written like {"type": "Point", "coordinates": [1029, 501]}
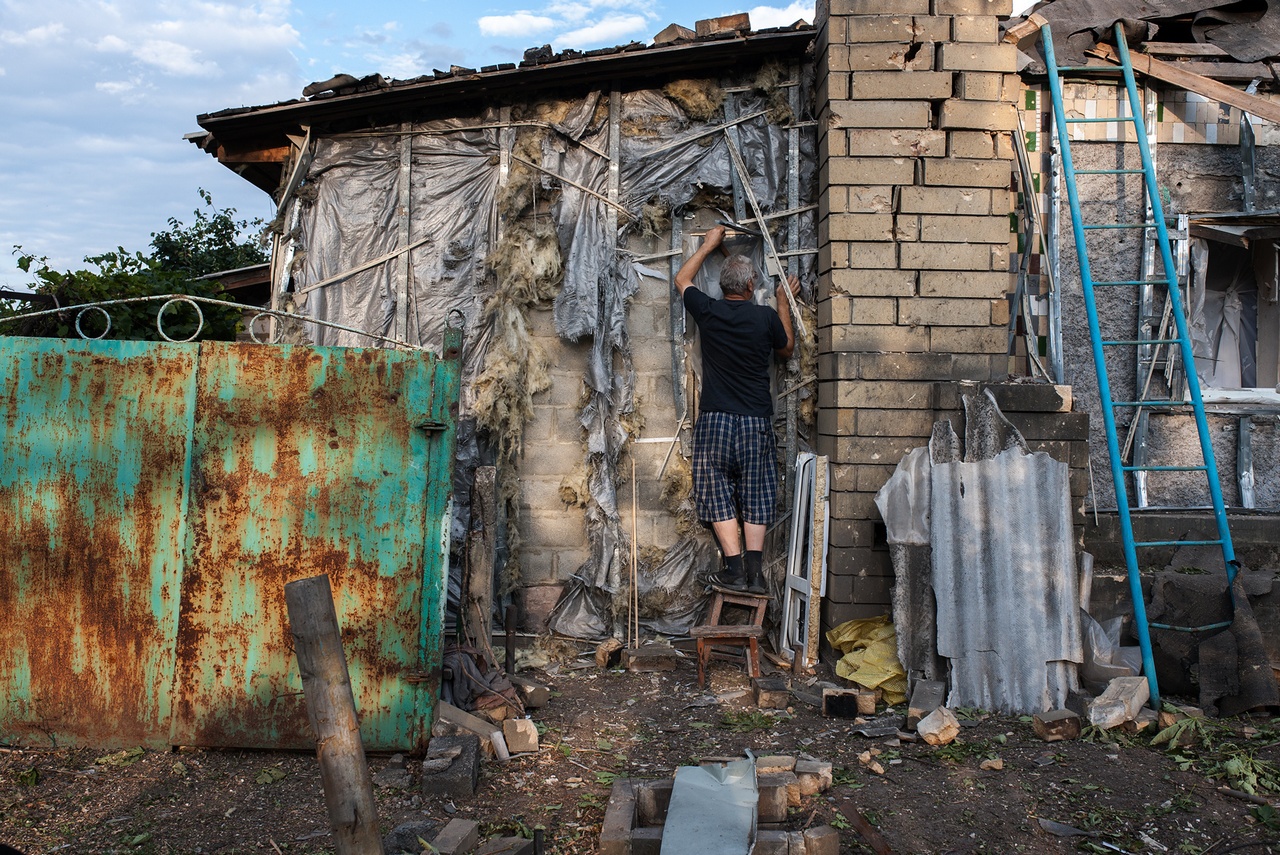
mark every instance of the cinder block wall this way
{"type": "Point", "coordinates": [916, 108]}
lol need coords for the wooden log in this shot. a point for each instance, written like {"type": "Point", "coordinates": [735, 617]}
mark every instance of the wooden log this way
{"type": "Point", "coordinates": [477, 617]}
{"type": "Point", "coordinates": [331, 709]}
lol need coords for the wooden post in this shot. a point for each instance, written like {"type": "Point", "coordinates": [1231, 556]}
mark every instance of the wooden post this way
{"type": "Point", "coordinates": [331, 708]}
{"type": "Point", "coordinates": [476, 621]}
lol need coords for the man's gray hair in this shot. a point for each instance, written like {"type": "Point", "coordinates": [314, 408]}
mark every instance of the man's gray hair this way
{"type": "Point", "coordinates": [737, 276]}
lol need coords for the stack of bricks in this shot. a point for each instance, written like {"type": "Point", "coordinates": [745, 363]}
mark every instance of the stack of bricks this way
{"type": "Point", "coordinates": [916, 104]}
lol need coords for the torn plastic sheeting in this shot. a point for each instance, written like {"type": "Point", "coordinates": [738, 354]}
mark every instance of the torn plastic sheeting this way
{"type": "Point", "coordinates": [713, 809]}
{"type": "Point", "coordinates": [1007, 602]}
{"type": "Point", "coordinates": [1224, 326]}
{"type": "Point", "coordinates": [671, 595]}
{"type": "Point", "coordinates": [1104, 658]}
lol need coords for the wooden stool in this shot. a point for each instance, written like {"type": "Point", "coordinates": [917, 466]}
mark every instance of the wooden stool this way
{"type": "Point", "coordinates": [744, 636]}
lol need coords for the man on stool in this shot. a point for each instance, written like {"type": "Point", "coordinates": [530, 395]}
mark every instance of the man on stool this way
{"type": "Point", "coordinates": [734, 452]}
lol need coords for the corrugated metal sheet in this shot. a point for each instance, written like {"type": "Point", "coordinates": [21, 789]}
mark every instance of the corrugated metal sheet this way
{"type": "Point", "coordinates": [995, 592]}
{"type": "Point", "coordinates": [161, 495]}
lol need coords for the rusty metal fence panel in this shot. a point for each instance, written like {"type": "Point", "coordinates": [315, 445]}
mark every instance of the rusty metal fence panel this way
{"type": "Point", "coordinates": [161, 496]}
{"type": "Point", "coordinates": [93, 477]}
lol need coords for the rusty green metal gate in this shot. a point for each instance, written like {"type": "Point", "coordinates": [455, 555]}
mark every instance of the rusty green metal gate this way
{"type": "Point", "coordinates": [154, 500]}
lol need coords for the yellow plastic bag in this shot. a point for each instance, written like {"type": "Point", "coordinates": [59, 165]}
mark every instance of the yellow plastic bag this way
{"type": "Point", "coordinates": [870, 648]}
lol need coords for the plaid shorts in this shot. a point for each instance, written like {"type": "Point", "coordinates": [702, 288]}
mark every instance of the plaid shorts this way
{"type": "Point", "coordinates": [735, 468]}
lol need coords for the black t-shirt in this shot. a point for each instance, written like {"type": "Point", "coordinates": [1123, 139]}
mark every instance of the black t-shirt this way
{"type": "Point", "coordinates": [738, 341]}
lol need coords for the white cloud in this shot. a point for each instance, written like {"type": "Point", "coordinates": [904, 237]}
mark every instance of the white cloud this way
{"type": "Point", "coordinates": [515, 24]}
{"type": "Point", "coordinates": [114, 87]}
{"type": "Point", "coordinates": [764, 17]}
{"type": "Point", "coordinates": [608, 31]}
{"type": "Point", "coordinates": [174, 58]}
{"type": "Point", "coordinates": [34, 37]}
{"type": "Point", "coordinates": [112, 44]}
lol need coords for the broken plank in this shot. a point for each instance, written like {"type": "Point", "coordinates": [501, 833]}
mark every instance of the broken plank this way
{"type": "Point", "coordinates": [1181, 49]}
{"type": "Point", "coordinates": [1199, 84]}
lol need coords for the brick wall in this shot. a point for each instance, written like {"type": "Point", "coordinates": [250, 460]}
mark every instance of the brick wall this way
{"type": "Point", "coordinates": [915, 162]}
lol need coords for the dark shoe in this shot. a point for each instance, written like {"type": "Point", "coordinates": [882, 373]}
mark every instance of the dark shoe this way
{"type": "Point", "coordinates": [753, 564]}
{"type": "Point", "coordinates": [724, 579]}
{"type": "Point", "coordinates": [731, 575]}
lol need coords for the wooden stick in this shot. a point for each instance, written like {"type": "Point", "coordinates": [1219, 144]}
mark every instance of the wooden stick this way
{"type": "Point", "coordinates": [331, 709]}
{"type": "Point", "coordinates": [635, 552]}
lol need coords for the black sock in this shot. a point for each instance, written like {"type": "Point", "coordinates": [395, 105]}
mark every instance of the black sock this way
{"type": "Point", "coordinates": [733, 564]}
{"type": "Point", "coordinates": [754, 562]}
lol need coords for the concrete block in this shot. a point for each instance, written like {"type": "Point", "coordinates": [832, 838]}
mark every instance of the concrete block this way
{"type": "Point", "coordinates": [653, 798]}
{"type": "Point", "coordinates": [1056, 725]}
{"type": "Point", "coordinates": [926, 696]}
{"type": "Point", "coordinates": [975, 28]}
{"type": "Point", "coordinates": [822, 840]}
{"type": "Point", "coordinates": [868, 170]}
{"type": "Point", "coordinates": [872, 255]}
{"type": "Point", "coordinates": [773, 764]}
{"type": "Point", "coordinates": [815, 776]}
{"type": "Point", "coordinates": [906, 227]}
{"type": "Point", "coordinates": [900, 143]}
{"type": "Point", "coordinates": [619, 818]}
{"type": "Point", "coordinates": [944, 200]}
{"type": "Point", "coordinates": [888, 56]}
{"type": "Point", "coordinates": [988, 115]}
{"type": "Point", "coordinates": [973, 7]}
{"type": "Point", "coordinates": [873, 310]}
{"type": "Point", "coordinates": [532, 693]}
{"type": "Point", "coordinates": [873, 283]}
{"type": "Point", "coordinates": [521, 735]}
{"type": "Point", "coordinates": [965, 340]}
{"type": "Point", "coordinates": [937, 283]}
{"type": "Point", "coordinates": [651, 657]}
{"type": "Point", "coordinates": [958, 56]}
{"type": "Point", "coordinates": [861, 227]}
{"type": "Point", "coordinates": [1121, 702]}
{"type": "Point", "coordinates": [881, 114]}
{"type": "Point", "coordinates": [991, 228]}
{"type": "Point", "coordinates": [771, 842]}
{"type": "Point", "coordinates": [739, 23]}
{"type": "Point", "coordinates": [771, 693]}
{"type": "Point", "coordinates": [458, 837]}
{"type": "Point", "coordinates": [924, 85]}
{"type": "Point", "coordinates": [835, 422]}
{"type": "Point", "coordinates": [908, 423]}
{"type": "Point", "coordinates": [459, 778]}
{"type": "Point", "coordinates": [834, 614]}
{"type": "Point", "coordinates": [874, 339]}
{"type": "Point", "coordinates": [833, 86]}
{"type": "Point", "coordinates": [945, 256]}
{"type": "Point", "coordinates": [1000, 312]}
{"type": "Point", "coordinates": [507, 846]}
{"type": "Point", "coordinates": [874, 394]}
{"type": "Point", "coordinates": [931, 28]}
{"type": "Point", "coordinates": [959, 172]}
{"type": "Point", "coordinates": [902, 366]}
{"type": "Point", "coordinates": [833, 311]}
{"type": "Point", "coordinates": [939, 727]}
{"type": "Point", "coordinates": [980, 85]}
{"type": "Point", "coordinates": [879, 28]}
{"type": "Point", "coordinates": [870, 200]}
{"type": "Point", "coordinates": [646, 841]}
{"type": "Point", "coordinates": [840, 703]}
{"type": "Point", "coordinates": [674, 32]}
{"type": "Point", "coordinates": [979, 145]}
{"type": "Point", "coordinates": [774, 796]}
{"type": "Point", "coordinates": [878, 7]}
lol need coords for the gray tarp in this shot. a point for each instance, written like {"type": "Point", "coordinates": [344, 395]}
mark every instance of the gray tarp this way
{"type": "Point", "coordinates": [350, 216]}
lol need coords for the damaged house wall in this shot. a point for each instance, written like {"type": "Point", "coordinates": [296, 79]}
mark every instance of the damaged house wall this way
{"type": "Point", "coordinates": [559, 268]}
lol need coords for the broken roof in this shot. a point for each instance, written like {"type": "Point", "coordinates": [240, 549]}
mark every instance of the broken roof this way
{"type": "Point", "coordinates": [1240, 32]}
{"type": "Point", "coordinates": [255, 140]}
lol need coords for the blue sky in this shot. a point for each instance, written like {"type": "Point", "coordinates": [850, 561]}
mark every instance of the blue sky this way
{"type": "Point", "coordinates": [95, 95]}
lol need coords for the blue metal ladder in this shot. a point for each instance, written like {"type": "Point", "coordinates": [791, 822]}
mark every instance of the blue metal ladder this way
{"type": "Point", "coordinates": [1101, 346]}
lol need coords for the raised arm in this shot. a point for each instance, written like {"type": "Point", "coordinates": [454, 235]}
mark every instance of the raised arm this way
{"type": "Point", "coordinates": [784, 314]}
{"type": "Point", "coordinates": [710, 243]}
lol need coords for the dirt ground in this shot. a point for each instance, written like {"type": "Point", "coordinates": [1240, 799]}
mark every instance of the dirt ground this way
{"type": "Point", "coordinates": [1131, 795]}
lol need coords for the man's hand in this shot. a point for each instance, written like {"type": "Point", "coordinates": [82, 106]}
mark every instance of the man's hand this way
{"type": "Point", "coordinates": [713, 238]}
{"type": "Point", "coordinates": [793, 283]}
{"type": "Point", "coordinates": [710, 243]}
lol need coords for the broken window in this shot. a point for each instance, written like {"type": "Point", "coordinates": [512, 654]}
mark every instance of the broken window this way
{"type": "Point", "coordinates": [1235, 316]}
